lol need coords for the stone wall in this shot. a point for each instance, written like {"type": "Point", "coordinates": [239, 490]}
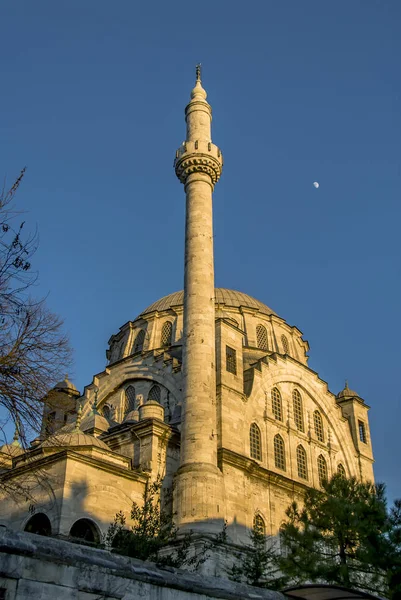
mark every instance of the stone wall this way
{"type": "Point", "coordinates": [43, 568]}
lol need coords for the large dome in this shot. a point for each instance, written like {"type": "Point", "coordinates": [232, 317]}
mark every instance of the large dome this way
{"type": "Point", "coordinates": [223, 296]}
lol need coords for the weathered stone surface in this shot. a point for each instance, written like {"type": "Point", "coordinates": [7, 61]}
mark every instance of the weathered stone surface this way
{"type": "Point", "coordinates": [33, 566]}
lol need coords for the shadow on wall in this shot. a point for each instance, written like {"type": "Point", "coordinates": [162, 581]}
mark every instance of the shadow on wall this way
{"type": "Point", "coordinates": [73, 522]}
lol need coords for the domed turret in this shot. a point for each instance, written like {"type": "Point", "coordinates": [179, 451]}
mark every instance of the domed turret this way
{"type": "Point", "coordinates": [66, 386]}
{"type": "Point", "coordinates": [347, 393]}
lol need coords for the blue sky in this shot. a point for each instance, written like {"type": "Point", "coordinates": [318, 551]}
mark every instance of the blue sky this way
{"type": "Point", "coordinates": [92, 102]}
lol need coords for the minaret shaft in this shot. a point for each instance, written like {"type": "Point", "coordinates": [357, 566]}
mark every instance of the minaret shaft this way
{"type": "Point", "coordinates": [198, 494]}
{"type": "Point", "coordinates": [199, 442]}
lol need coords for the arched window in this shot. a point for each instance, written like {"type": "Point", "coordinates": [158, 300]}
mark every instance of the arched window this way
{"type": "Point", "coordinates": [302, 462]}
{"type": "Point", "coordinates": [284, 342]}
{"type": "Point", "coordinates": [318, 424]}
{"type": "Point", "coordinates": [39, 524]}
{"type": "Point", "coordinates": [155, 393]}
{"type": "Point", "coordinates": [139, 341]}
{"type": "Point", "coordinates": [130, 400]}
{"type": "Point", "coordinates": [84, 529]}
{"type": "Point", "coordinates": [279, 452]}
{"type": "Point", "coordinates": [255, 442]}
{"type": "Point", "coordinates": [167, 332]}
{"type": "Point", "coordinates": [321, 469]}
{"type": "Point", "coordinates": [261, 337]}
{"type": "Point", "coordinates": [259, 524]}
{"type": "Point", "coordinates": [277, 407]}
{"type": "Point", "coordinates": [341, 470]}
{"type": "Point", "coordinates": [298, 410]}
{"type": "Point", "coordinates": [106, 411]}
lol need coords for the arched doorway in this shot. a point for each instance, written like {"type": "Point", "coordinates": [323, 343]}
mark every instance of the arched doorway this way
{"type": "Point", "coordinates": [39, 524]}
{"type": "Point", "coordinates": [85, 529]}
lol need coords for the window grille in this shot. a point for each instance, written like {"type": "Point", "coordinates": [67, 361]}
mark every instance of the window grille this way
{"type": "Point", "coordinates": [298, 410]}
{"type": "Point", "coordinates": [322, 469]}
{"type": "Point", "coordinates": [167, 332]}
{"type": "Point", "coordinates": [318, 423]}
{"type": "Point", "coordinates": [231, 360]}
{"type": "Point", "coordinates": [255, 442]}
{"type": "Point", "coordinates": [139, 341]}
{"type": "Point", "coordinates": [302, 462]}
{"type": "Point", "coordinates": [362, 431]}
{"type": "Point", "coordinates": [259, 524]}
{"type": "Point", "coordinates": [284, 341]}
{"type": "Point", "coordinates": [277, 407]}
{"type": "Point", "coordinates": [130, 399]}
{"type": "Point", "coordinates": [155, 393]}
{"type": "Point", "coordinates": [341, 470]}
{"type": "Point", "coordinates": [261, 337]}
{"type": "Point", "coordinates": [279, 452]}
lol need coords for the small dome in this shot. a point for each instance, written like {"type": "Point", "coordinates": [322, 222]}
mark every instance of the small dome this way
{"type": "Point", "coordinates": [132, 417]}
{"type": "Point", "coordinates": [222, 296]}
{"type": "Point", "coordinates": [94, 421]}
{"type": "Point", "coordinates": [12, 449]}
{"type": "Point", "coordinates": [66, 386]}
{"type": "Point", "coordinates": [73, 438]}
{"type": "Point", "coordinates": [347, 393]}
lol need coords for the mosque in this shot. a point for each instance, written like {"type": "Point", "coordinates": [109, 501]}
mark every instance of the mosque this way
{"type": "Point", "coordinates": [208, 389]}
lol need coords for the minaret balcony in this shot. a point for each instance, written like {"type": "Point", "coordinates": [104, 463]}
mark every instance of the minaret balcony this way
{"type": "Point", "coordinates": [198, 157]}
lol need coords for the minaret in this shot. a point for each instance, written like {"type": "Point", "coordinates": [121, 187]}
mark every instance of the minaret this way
{"type": "Point", "coordinates": [198, 165]}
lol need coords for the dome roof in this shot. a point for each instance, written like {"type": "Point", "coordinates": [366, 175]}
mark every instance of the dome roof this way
{"type": "Point", "coordinates": [66, 386]}
{"type": "Point", "coordinates": [73, 438]}
{"type": "Point", "coordinates": [347, 393]}
{"type": "Point", "coordinates": [223, 296]}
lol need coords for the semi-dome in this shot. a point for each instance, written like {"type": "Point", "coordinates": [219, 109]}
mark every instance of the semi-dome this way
{"type": "Point", "coordinates": [223, 296]}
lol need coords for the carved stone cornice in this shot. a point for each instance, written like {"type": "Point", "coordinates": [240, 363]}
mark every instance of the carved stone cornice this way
{"type": "Point", "coordinates": [198, 157]}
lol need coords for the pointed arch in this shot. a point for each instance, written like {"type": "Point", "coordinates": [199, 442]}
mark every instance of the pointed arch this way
{"type": "Point", "coordinates": [259, 524]}
{"type": "Point", "coordinates": [277, 405]}
{"type": "Point", "coordinates": [298, 410]}
{"type": "Point", "coordinates": [279, 452]}
{"type": "Point", "coordinates": [341, 470]}
{"type": "Point", "coordinates": [322, 469]}
{"type": "Point", "coordinates": [302, 462]}
{"type": "Point", "coordinates": [255, 442]}
{"type": "Point", "coordinates": [139, 341]}
{"type": "Point", "coordinates": [166, 334]}
{"type": "Point", "coordinates": [285, 345]}
{"type": "Point", "coordinates": [129, 400]}
{"type": "Point", "coordinates": [318, 425]}
{"type": "Point", "coordinates": [261, 337]}
{"type": "Point", "coordinates": [155, 393]}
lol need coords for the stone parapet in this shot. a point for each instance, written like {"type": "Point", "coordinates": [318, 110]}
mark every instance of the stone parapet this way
{"type": "Point", "coordinates": [198, 157]}
{"type": "Point", "coordinates": [33, 566]}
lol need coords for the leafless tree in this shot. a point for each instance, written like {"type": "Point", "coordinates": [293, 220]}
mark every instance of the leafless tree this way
{"type": "Point", "coordinates": [34, 351]}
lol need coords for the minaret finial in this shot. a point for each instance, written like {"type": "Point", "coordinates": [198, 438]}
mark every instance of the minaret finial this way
{"type": "Point", "coordinates": [198, 72]}
{"type": "Point", "coordinates": [94, 405]}
{"type": "Point", "coordinates": [346, 383]}
{"type": "Point", "coordinates": [78, 421]}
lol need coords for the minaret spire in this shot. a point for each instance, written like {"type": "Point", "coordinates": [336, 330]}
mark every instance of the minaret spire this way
{"type": "Point", "coordinates": [198, 166]}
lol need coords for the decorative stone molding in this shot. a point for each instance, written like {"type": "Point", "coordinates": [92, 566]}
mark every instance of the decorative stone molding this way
{"type": "Point", "coordinates": [198, 157]}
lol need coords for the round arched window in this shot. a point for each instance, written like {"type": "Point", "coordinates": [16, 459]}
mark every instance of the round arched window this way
{"type": "Point", "coordinates": [39, 524]}
{"type": "Point", "coordinates": [85, 529]}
